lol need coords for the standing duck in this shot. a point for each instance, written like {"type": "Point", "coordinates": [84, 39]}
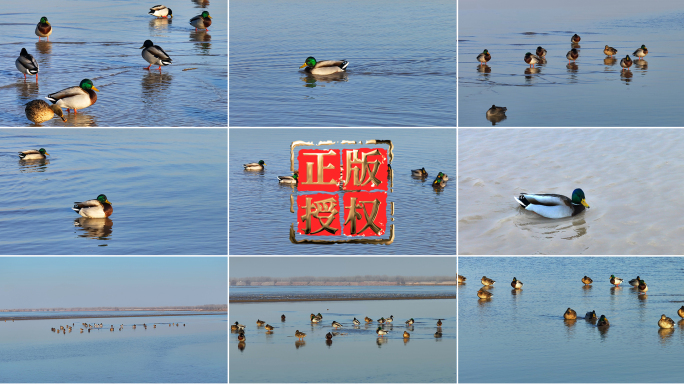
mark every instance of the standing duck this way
{"type": "Point", "coordinates": [406, 335]}
{"type": "Point", "coordinates": [541, 52]}
{"type": "Point", "coordinates": [260, 323]}
{"type": "Point", "coordinates": [517, 284]}
{"type": "Point", "coordinates": [410, 322]}
{"type": "Point", "coordinates": [335, 324]}
{"type": "Point", "coordinates": [572, 55]}
{"type": "Point", "coordinates": [202, 21]}
{"type": "Point", "coordinates": [554, 206]}
{"type": "Point", "coordinates": [154, 54]}
{"type": "Point", "coordinates": [325, 67]}
{"type": "Point", "coordinates": [268, 327]}
{"type": "Point", "coordinates": [642, 287]}
{"type": "Point", "coordinates": [531, 59]}
{"type": "Point", "coordinates": [328, 336]}
{"type": "Point", "coordinates": [39, 111]}
{"type": "Point", "coordinates": [626, 62]}
{"type": "Point", "coordinates": [389, 319]}
{"type": "Point", "coordinates": [43, 29]}
{"type": "Point", "coordinates": [381, 331]}
{"type": "Point", "coordinates": [241, 336]}
{"type": "Point", "coordinates": [255, 166]}
{"type": "Point", "coordinates": [32, 154]}
{"type": "Point", "coordinates": [97, 208]}
{"type": "Point", "coordinates": [482, 294]}
{"type": "Point", "coordinates": [610, 51]}
{"type": "Point", "coordinates": [570, 314]}
{"type": "Point", "coordinates": [461, 279]}
{"type": "Point", "coordinates": [26, 64]}
{"type": "Point", "coordinates": [635, 282]}
{"type": "Point", "coordinates": [381, 320]}
{"type": "Point", "coordinates": [160, 11]}
{"type": "Point", "coordinates": [575, 38]}
{"type": "Point", "coordinates": [368, 319]}
{"type": "Point", "coordinates": [487, 281]}
{"type": "Point", "coordinates": [641, 52]}
{"type": "Point", "coordinates": [484, 57]}
{"type": "Point", "coordinates": [282, 318]}
{"type": "Point", "coordinates": [75, 98]}
{"type": "Point", "coordinates": [300, 335]}
{"type": "Point", "coordinates": [665, 322]}
{"type": "Point", "coordinates": [356, 322]}
{"type": "Point", "coordinates": [587, 280]}
{"type": "Point", "coordinates": [603, 322]}
{"type": "Point", "coordinates": [419, 172]}
{"type": "Point", "coordinates": [439, 322]}
{"type": "Point", "coordinates": [616, 281]}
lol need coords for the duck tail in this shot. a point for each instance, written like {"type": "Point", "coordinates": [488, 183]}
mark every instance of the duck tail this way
{"type": "Point", "coordinates": [522, 200]}
{"type": "Point", "coordinates": [344, 64]}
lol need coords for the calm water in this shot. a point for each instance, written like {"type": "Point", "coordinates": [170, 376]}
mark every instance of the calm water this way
{"type": "Point", "coordinates": [260, 215]}
{"type": "Point", "coordinates": [423, 358]}
{"type": "Point", "coordinates": [305, 292]}
{"type": "Point", "coordinates": [87, 314]}
{"type": "Point", "coordinates": [627, 175]}
{"type": "Point", "coordinates": [167, 188]}
{"type": "Point", "coordinates": [401, 63]}
{"type": "Point", "coordinates": [194, 353]}
{"type": "Point", "coordinates": [100, 41]}
{"type": "Point", "coordinates": [522, 336]}
{"type": "Point", "coordinates": [592, 93]}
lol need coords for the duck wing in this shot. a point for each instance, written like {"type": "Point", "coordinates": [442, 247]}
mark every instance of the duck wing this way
{"type": "Point", "coordinates": [158, 52]}
{"type": "Point", "coordinates": [86, 204]}
{"type": "Point", "coordinates": [545, 199]}
{"type": "Point", "coordinates": [64, 93]}
{"type": "Point", "coordinates": [157, 7]}
{"type": "Point", "coordinates": [29, 152]}
{"type": "Point", "coordinates": [29, 62]}
{"type": "Point", "coordinates": [331, 63]}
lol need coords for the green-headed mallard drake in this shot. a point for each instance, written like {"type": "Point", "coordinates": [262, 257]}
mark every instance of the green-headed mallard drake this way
{"type": "Point", "coordinates": [642, 287]}
{"type": "Point", "coordinates": [241, 336]}
{"type": "Point", "coordinates": [255, 166]}
{"type": "Point", "coordinates": [410, 321]}
{"type": "Point", "coordinates": [300, 335]}
{"type": "Point", "coordinates": [326, 67]}
{"type": "Point", "coordinates": [641, 52]}
{"type": "Point", "coordinates": [609, 51]}
{"type": "Point", "coordinates": [484, 57]}
{"type": "Point", "coordinates": [97, 208]}
{"type": "Point", "coordinates": [389, 319]}
{"type": "Point", "coordinates": [26, 64]}
{"type": "Point", "coordinates": [368, 319]}
{"type": "Point", "coordinates": [572, 55]}
{"type": "Point", "coordinates": [517, 284]}
{"type": "Point", "coordinates": [461, 279]}
{"type": "Point", "coordinates": [570, 314]}
{"type": "Point", "coordinates": [487, 281]}
{"type": "Point", "coordinates": [553, 206]}
{"type": "Point", "coordinates": [482, 294]}
{"type": "Point", "coordinates": [39, 111]}
{"type": "Point", "coordinates": [531, 59]}
{"type": "Point", "coordinates": [616, 281]}
{"type": "Point", "coordinates": [419, 172]}
{"type": "Point", "coordinates": [154, 54]}
{"type": "Point", "coordinates": [289, 179]}
{"type": "Point", "coordinates": [438, 334]}
{"type": "Point", "coordinates": [626, 62]}
{"type": "Point", "coordinates": [32, 154]}
{"type": "Point", "coordinates": [315, 319]}
{"type": "Point", "coordinates": [268, 327]}
{"type": "Point", "coordinates": [328, 336]}
{"type": "Point", "coordinates": [587, 280]}
{"type": "Point", "coordinates": [406, 335]}
{"type": "Point", "coordinates": [381, 331]}
{"type": "Point", "coordinates": [160, 11]}
{"type": "Point", "coordinates": [590, 315]}
{"type": "Point", "coordinates": [443, 176]}
{"type": "Point", "coordinates": [43, 29]}
{"type": "Point", "coordinates": [438, 183]}
{"type": "Point", "coordinates": [335, 324]}
{"type": "Point", "coordinates": [381, 320]}
{"type": "Point", "coordinates": [541, 52]}
{"type": "Point", "coordinates": [260, 323]}
{"type": "Point", "coordinates": [634, 282]}
{"type": "Point", "coordinates": [319, 316]}
{"type": "Point", "coordinates": [665, 322]}
{"type": "Point", "coordinates": [75, 98]}
{"type": "Point", "coordinates": [575, 38]}
{"type": "Point", "coordinates": [202, 21]}
{"type": "Point", "coordinates": [233, 327]}
{"type": "Point", "coordinates": [356, 322]}
{"type": "Point", "coordinates": [603, 322]}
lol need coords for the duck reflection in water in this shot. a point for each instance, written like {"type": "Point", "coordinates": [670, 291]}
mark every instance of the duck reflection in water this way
{"type": "Point", "coordinates": [665, 333]}
{"type": "Point", "coordinates": [496, 114]}
{"type": "Point", "coordinates": [316, 80]}
{"type": "Point", "coordinates": [30, 166]}
{"type": "Point", "coordinates": [160, 24]}
{"type": "Point", "coordinates": [610, 61]}
{"type": "Point", "coordinates": [155, 84]}
{"type": "Point", "coordinates": [201, 3]}
{"type": "Point", "coordinates": [100, 229]}
{"type": "Point", "coordinates": [202, 40]}
{"type": "Point", "coordinates": [44, 47]}
{"type": "Point", "coordinates": [572, 67]}
{"type": "Point", "coordinates": [328, 342]}
{"type": "Point", "coordinates": [241, 346]}
{"type": "Point", "coordinates": [300, 343]}
{"type": "Point", "coordinates": [380, 341]}
{"type": "Point", "coordinates": [641, 64]}
{"type": "Point", "coordinates": [484, 69]}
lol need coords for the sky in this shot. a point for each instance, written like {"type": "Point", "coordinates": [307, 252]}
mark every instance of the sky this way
{"type": "Point", "coordinates": [341, 266]}
{"type": "Point", "coordinates": [50, 282]}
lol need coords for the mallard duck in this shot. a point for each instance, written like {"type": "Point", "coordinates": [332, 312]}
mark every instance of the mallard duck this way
{"type": "Point", "coordinates": [439, 322]}
{"type": "Point", "coordinates": [410, 322]}
{"type": "Point", "coordinates": [319, 316]}
{"type": "Point", "coordinates": [289, 179]}
{"type": "Point", "coordinates": [517, 284]}
{"type": "Point", "coordinates": [268, 327]}
{"type": "Point", "coordinates": [39, 111]}
{"type": "Point", "coordinates": [241, 336]}
{"type": "Point", "coordinates": [438, 183]}
{"type": "Point", "coordinates": [335, 324]}
{"type": "Point", "coordinates": [282, 317]}
{"type": "Point", "coordinates": [406, 335]}
{"type": "Point", "coordinates": [575, 38]}
{"type": "Point", "coordinates": [97, 208]}
{"type": "Point", "coordinates": [255, 166]}
{"type": "Point", "coordinates": [541, 52]}
{"type": "Point", "coordinates": [635, 282]}
{"type": "Point", "coordinates": [381, 331]}
{"type": "Point", "coordinates": [43, 29]}
{"type": "Point", "coordinates": [300, 335]}
{"type": "Point", "coordinates": [238, 326]}
{"type": "Point", "coordinates": [32, 154]}
{"type": "Point", "coordinates": [381, 320]}
{"type": "Point", "coordinates": [75, 97]}
{"type": "Point", "coordinates": [553, 206]}
{"type": "Point", "coordinates": [326, 67]}
{"type": "Point", "coordinates": [443, 176]}
{"type": "Point", "coordinates": [487, 281]}
{"type": "Point", "coordinates": [438, 334]}
{"type": "Point", "coordinates": [531, 59]}
{"type": "Point", "coordinates": [154, 54]}
{"type": "Point", "coordinates": [609, 51]}
{"type": "Point", "coordinates": [587, 280]}
{"type": "Point", "coordinates": [572, 54]}
{"type": "Point", "coordinates": [590, 315]}
{"type": "Point", "coordinates": [570, 314]}
{"type": "Point", "coordinates": [616, 281]}
{"type": "Point", "coordinates": [368, 319]}
{"type": "Point", "coordinates": [356, 322]}
{"type": "Point", "coordinates": [161, 11]}
{"type": "Point", "coordinates": [315, 319]}
{"type": "Point", "coordinates": [626, 62]}
{"type": "Point", "coordinates": [603, 322]}
{"type": "Point", "coordinates": [26, 64]}
{"type": "Point", "coordinates": [484, 57]}
{"type": "Point", "coordinates": [680, 312]}
{"type": "Point", "coordinates": [202, 21]}
{"type": "Point", "coordinates": [641, 52]}
{"type": "Point", "coordinates": [419, 172]}
{"type": "Point", "coordinates": [665, 322]}
{"type": "Point", "coordinates": [642, 287]}
{"type": "Point", "coordinates": [482, 294]}
{"type": "Point", "coordinates": [329, 336]}
{"type": "Point", "coordinates": [496, 111]}
{"type": "Point", "coordinates": [260, 323]}
{"type": "Point", "coordinates": [461, 279]}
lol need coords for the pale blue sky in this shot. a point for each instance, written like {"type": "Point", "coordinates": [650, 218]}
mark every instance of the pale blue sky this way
{"type": "Point", "coordinates": [341, 266]}
{"type": "Point", "coordinates": [48, 282]}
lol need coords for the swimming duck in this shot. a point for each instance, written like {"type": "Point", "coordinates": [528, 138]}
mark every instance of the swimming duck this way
{"type": "Point", "coordinates": [260, 322]}
{"type": "Point", "coordinates": [553, 206]}
{"type": "Point", "coordinates": [389, 319]}
{"type": "Point", "coordinates": [461, 279]}
{"type": "Point", "coordinates": [161, 11]}
{"type": "Point", "coordinates": [487, 281]}
{"type": "Point", "coordinates": [419, 172]}
{"type": "Point", "coordinates": [289, 179]}
{"type": "Point", "coordinates": [406, 335]}
{"type": "Point", "coordinates": [439, 322]}
{"type": "Point", "coordinates": [572, 54]}
{"type": "Point", "coordinates": [368, 319]}
{"type": "Point", "coordinates": [517, 284]}
{"type": "Point", "coordinates": [26, 64]}
{"type": "Point", "coordinates": [233, 327]}
{"type": "Point", "coordinates": [329, 336]}
{"type": "Point", "coordinates": [570, 314]}
{"type": "Point", "coordinates": [154, 54]}
{"type": "Point", "coordinates": [320, 317]}
{"type": "Point", "coordinates": [587, 280]}
{"type": "Point", "coordinates": [616, 281]}
{"type": "Point", "coordinates": [32, 154]}
{"type": "Point", "coordinates": [575, 38]}
{"type": "Point", "coordinates": [634, 282]}
{"type": "Point", "coordinates": [680, 311]}
{"type": "Point", "coordinates": [438, 334]}
{"type": "Point", "coordinates": [326, 67]}
{"type": "Point", "coordinates": [641, 52]}
{"type": "Point", "coordinates": [496, 112]}
{"type": "Point", "coordinates": [255, 166]}
{"type": "Point", "coordinates": [43, 29]}
{"type": "Point", "coordinates": [282, 317]}
{"type": "Point", "coordinates": [268, 327]}
{"type": "Point", "coordinates": [438, 183]}
{"type": "Point", "coordinates": [381, 320]}
{"type": "Point", "coordinates": [78, 97]}
{"type": "Point", "coordinates": [356, 322]}
{"type": "Point", "coordinates": [381, 331]}
{"type": "Point", "coordinates": [541, 52]}
{"type": "Point", "coordinates": [531, 59]}
{"type": "Point", "coordinates": [609, 51]}
{"type": "Point", "coordinates": [315, 319]}
{"type": "Point", "coordinates": [665, 322]}
{"type": "Point", "coordinates": [642, 287]}
{"type": "Point", "coordinates": [410, 322]}
{"type": "Point", "coordinates": [336, 324]}
{"type": "Point", "coordinates": [626, 62]}
{"type": "Point", "coordinates": [241, 336]}
{"type": "Point", "coordinates": [484, 57]}
{"type": "Point", "coordinates": [590, 315]}
{"type": "Point", "coordinates": [443, 176]}
{"type": "Point", "coordinates": [482, 294]}
{"type": "Point", "coordinates": [202, 21]}
{"type": "Point", "coordinates": [603, 322]}
{"type": "Point", "coordinates": [96, 208]}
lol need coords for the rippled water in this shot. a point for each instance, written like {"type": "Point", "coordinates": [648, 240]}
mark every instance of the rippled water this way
{"type": "Point", "coordinates": [401, 68]}
{"type": "Point", "coordinates": [421, 358]}
{"type": "Point", "coordinates": [312, 292]}
{"type": "Point", "coordinates": [593, 91]}
{"type": "Point", "coordinates": [100, 41]}
{"type": "Point", "coordinates": [194, 353]}
{"type": "Point", "coordinates": [167, 188]}
{"type": "Point", "coordinates": [521, 336]}
{"type": "Point", "coordinates": [260, 215]}
{"type": "Point", "coordinates": [629, 176]}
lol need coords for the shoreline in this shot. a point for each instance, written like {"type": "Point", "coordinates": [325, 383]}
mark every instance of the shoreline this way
{"type": "Point", "coordinates": [252, 300]}
{"type": "Point", "coordinates": [103, 317]}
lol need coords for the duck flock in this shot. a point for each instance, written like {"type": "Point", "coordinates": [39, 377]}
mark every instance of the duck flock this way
{"type": "Point", "coordinates": [82, 95]}
{"type": "Point", "coordinates": [570, 314]}
{"type": "Point", "coordinates": [68, 328]}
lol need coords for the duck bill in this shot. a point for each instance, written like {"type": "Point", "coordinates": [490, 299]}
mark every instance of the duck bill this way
{"type": "Point", "coordinates": [303, 65]}
{"type": "Point", "coordinates": [94, 89]}
{"type": "Point", "coordinates": [584, 202]}
{"type": "Point", "coordinates": [107, 201]}
{"type": "Point", "coordinates": [47, 154]}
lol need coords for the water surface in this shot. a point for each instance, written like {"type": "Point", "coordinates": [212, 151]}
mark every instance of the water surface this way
{"type": "Point", "coordinates": [337, 292]}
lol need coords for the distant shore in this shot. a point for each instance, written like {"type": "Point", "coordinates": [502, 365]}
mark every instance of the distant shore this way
{"type": "Point", "coordinates": [332, 298]}
{"type": "Point", "coordinates": [65, 316]}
